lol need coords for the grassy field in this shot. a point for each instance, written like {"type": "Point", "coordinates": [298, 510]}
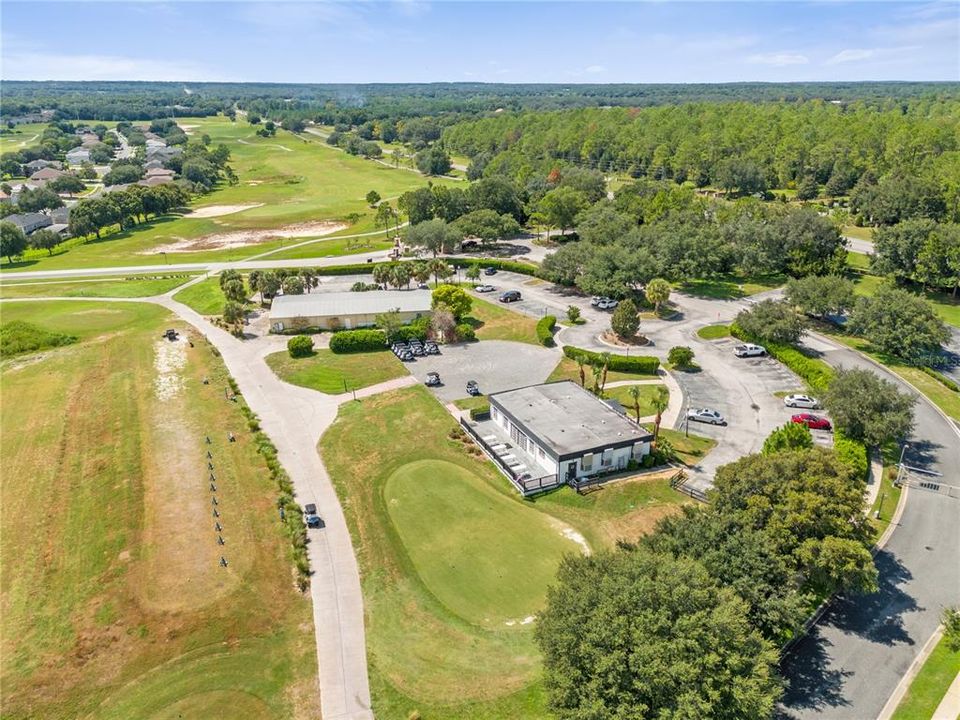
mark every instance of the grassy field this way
{"type": "Point", "coordinates": [930, 685]}
{"type": "Point", "coordinates": [205, 297]}
{"type": "Point", "coordinates": [294, 180]}
{"type": "Point", "coordinates": [860, 233]}
{"type": "Point", "coordinates": [690, 449]}
{"type": "Point", "coordinates": [22, 136]}
{"type": "Point", "coordinates": [945, 305]}
{"type": "Point", "coordinates": [493, 322]}
{"type": "Point", "coordinates": [442, 540]}
{"type": "Point", "coordinates": [731, 287]}
{"type": "Point", "coordinates": [622, 395]}
{"type": "Point", "coordinates": [107, 287]}
{"type": "Point", "coordinates": [567, 369]}
{"type": "Point", "coordinates": [113, 603]}
{"type": "Point", "coordinates": [334, 373]}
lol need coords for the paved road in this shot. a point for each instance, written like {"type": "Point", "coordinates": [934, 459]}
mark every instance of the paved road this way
{"type": "Point", "coordinates": [295, 418]}
{"type": "Point", "coordinates": [853, 659]}
{"type": "Point", "coordinates": [860, 246]}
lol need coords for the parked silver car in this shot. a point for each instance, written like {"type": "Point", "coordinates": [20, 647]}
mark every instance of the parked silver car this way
{"type": "Point", "coordinates": [801, 401]}
{"type": "Point", "coordinates": [706, 415]}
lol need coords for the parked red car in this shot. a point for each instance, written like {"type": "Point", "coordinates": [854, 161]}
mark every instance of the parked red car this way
{"type": "Point", "coordinates": [814, 422]}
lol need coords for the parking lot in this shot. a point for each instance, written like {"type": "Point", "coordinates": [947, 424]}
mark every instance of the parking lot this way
{"type": "Point", "coordinates": [495, 364]}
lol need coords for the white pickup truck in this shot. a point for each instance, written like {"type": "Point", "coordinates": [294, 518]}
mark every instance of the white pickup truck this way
{"type": "Point", "coordinates": [749, 350]}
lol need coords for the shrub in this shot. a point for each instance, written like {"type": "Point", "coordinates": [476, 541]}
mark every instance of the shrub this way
{"type": "Point", "coordinates": [573, 313]}
{"type": "Point", "coordinates": [21, 337]}
{"type": "Point", "coordinates": [405, 333]}
{"type": "Point", "coordinates": [465, 332]}
{"type": "Point", "coordinates": [941, 378]}
{"type": "Point", "coordinates": [680, 356]}
{"type": "Point", "coordinates": [625, 321]}
{"type": "Point", "coordinates": [300, 346]}
{"type": "Point", "coordinates": [347, 341]}
{"type": "Point", "coordinates": [545, 328]}
{"type": "Point", "coordinates": [641, 364]}
{"type": "Point", "coordinates": [852, 453]}
{"type": "Point", "coordinates": [480, 413]}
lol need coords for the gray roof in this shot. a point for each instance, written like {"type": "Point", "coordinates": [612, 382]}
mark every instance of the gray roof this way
{"type": "Point", "coordinates": [568, 419]}
{"type": "Point", "coordinates": [338, 304]}
{"type": "Point", "coordinates": [29, 221]}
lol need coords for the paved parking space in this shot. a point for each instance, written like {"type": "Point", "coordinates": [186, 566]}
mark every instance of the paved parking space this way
{"type": "Point", "coordinates": [495, 364]}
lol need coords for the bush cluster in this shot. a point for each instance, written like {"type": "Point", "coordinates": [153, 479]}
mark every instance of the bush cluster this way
{"type": "Point", "coordinates": [300, 346]}
{"type": "Point", "coordinates": [816, 373]}
{"type": "Point", "coordinates": [643, 365]}
{"type": "Point", "coordinates": [405, 333]}
{"type": "Point", "coordinates": [851, 452]}
{"type": "Point", "coordinates": [465, 332]}
{"type": "Point", "coordinates": [545, 328]}
{"type": "Point", "coordinates": [347, 341]}
{"type": "Point", "coordinates": [941, 378]}
{"type": "Point", "coordinates": [480, 413]}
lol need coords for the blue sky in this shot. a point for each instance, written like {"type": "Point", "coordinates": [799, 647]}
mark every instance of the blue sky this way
{"type": "Point", "coordinates": [414, 41]}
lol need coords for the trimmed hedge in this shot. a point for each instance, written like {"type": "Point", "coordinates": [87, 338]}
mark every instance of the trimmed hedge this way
{"type": "Point", "coordinates": [851, 452]}
{"type": "Point", "coordinates": [816, 373]}
{"type": "Point", "coordinates": [348, 341]}
{"type": "Point", "coordinates": [941, 378]}
{"type": "Point", "coordinates": [545, 328]}
{"type": "Point", "coordinates": [640, 364]}
{"type": "Point", "coordinates": [300, 346]}
{"type": "Point", "coordinates": [480, 413]}
{"type": "Point", "coordinates": [361, 268]}
{"type": "Point", "coordinates": [405, 333]}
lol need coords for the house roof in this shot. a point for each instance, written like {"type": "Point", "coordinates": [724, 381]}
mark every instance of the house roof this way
{"type": "Point", "coordinates": [338, 304]}
{"type": "Point", "coordinates": [568, 419]}
{"type": "Point", "coordinates": [31, 220]}
{"type": "Point", "coordinates": [78, 151]}
{"type": "Point", "coordinates": [158, 172]}
{"type": "Point", "coordinates": [47, 173]}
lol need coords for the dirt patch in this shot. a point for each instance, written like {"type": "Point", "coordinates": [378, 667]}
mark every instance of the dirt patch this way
{"type": "Point", "coordinates": [169, 361]}
{"type": "Point", "coordinates": [218, 210]}
{"type": "Point", "coordinates": [243, 238]}
{"type": "Point", "coordinates": [634, 525]}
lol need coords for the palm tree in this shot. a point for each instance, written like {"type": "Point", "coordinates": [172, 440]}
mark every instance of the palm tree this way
{"type": "Point", "coordinates": [473, 273]}
{"type": "Point", "coordinates": [583, 376]}
{"type": "Point", "coordinates": [400, 274]}
{"type": "Point", "coordinates": [660, 402]}
{"type": "Point", "coordinates": [439, 268]}
{"type": "Point", "coordinates": [254, 280]}
{"type": "Point", "coordinates": [635, 391]}
{"type": "Point", "coordinates": [605, 359]}
{"type": "Point", "coordinates": [309, 278]}
{"type": "Point", "coordinates": [420, 271]}
{"type": "Point", "coordinates": [596, 365]}
{"type": "Point", "coordinates": [381, 274]}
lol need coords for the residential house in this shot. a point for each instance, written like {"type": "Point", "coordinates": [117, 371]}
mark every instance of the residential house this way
{"type": "Point", "coordinates": [78, 156]}
{"type": "Point", "coordinates": [35, 165]}
{"type": "Point", "coordinates": [46, 175]}
{"type": "Point", "coordinates": [28, 222]}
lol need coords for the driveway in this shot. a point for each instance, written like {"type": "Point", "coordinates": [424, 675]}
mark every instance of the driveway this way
{"type": "Point", "coordinates": [496, 365]}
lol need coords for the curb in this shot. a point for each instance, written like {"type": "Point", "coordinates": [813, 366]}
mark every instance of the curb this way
{"type": "Point", "coordinates": [904, 685]}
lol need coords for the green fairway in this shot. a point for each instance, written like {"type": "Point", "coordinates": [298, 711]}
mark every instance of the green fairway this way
{"type": "Point", "coordinates": [490, 560]}
{"type": "Point", "coordinates": [335, 373]}
{"type": "Point", "coordinates": [21, 136]}
{"type": "Point", "coordinates": [286, 183]}
{"type": "Point", "coordinates": [113, 602]}
{"type": "Point", "coordinates": [494, 322]}
{"type": "Point", "coordinates": [106, 287]}
{"type": "Point", "coordinates": [205, 297]}
{"type": "Point", "coordinates": [930, 685]}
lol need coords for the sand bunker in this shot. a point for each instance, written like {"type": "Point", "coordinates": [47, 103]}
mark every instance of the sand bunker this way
{"type": "Point", "coordinates": [217, 210]}
{"type": "Point", "coordinates": [242, 238]}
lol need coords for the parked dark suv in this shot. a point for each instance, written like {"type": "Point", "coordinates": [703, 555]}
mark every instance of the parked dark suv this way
{"type": "Point", "coordinates": [510, 296]}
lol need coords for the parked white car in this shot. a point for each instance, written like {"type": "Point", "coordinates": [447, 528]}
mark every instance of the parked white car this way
{"type": "Point", "coordinates": [607, 304]}
{"type": "Point", "coordinates": [485, 288]}
{"type": "Point", "coordinates": [706, 415]}
{"type": "Point", "coordinates": [801, 401]}
{"type": "Point", "coordinates": [749, 350]}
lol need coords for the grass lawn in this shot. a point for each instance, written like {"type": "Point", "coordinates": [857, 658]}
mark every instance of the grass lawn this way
{"type": "Point", "coordinates": [438, 533]}
{"type": "Point", "coordinates": [690, 450]}
{"type": "Point", "coordinates": [108, 287]}
{"type": "Point", "coordinates": [205, 297]}
{"type": "Point", "coordinates": [622, 395]}
{"type": "Point", "coordinates": [469, 403]}
{"type": "Point", "coordinates": [334, 373]}
{"type": "Point", "coordinates": [859, 233]}
{"type": "Point", "coordinates": [889, 494]}
{"type": "Point", "coordinates": [493, 322]}
{"type": "Point", "coordinates": [858, 261]}
{"type": "Point", "coordinates": [113, 603]}
{"type": "Point", "coordinates": [714, 332]}
{"type": "Point", "coordinates": [944, 304]}
{"type": "Point", "coordinates": [22, 136]}
{"type": "Point", "coordinates": [293, 179]}
{"type": "Point", "coordinates": [731, 287]}
{"type": "Point", "coordinates": [930, 685]}
{"type": "Point", "coordinates": [567, 369]}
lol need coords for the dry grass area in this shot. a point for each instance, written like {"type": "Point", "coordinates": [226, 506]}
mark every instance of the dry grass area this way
{"type": "Point", "coordinates": [113, 601]}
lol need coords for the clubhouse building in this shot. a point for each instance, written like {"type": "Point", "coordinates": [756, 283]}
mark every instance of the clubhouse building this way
{"type": "Point", "coordinates": [546, 435]}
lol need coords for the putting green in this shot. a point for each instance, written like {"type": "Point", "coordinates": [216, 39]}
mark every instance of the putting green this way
{"type": "Point", "coordinates": [487, 559]}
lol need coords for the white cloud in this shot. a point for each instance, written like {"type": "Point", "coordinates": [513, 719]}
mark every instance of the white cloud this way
{"type": "Point", "coordinates": [875, 54]}
{"type": "Point", "coordinates": [778, 59]}
{"type": "Point", "coordinates": [36, 65]}
{"type": "Point", "coordinates": [594, 69]}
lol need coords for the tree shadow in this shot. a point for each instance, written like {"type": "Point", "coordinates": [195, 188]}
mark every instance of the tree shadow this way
{"type": "Point", "coordinates": [18, 264]}
{"type": "Point", "coordinates": [473, 322]}
{"type": "Point", "coordinates": [814, 681]}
